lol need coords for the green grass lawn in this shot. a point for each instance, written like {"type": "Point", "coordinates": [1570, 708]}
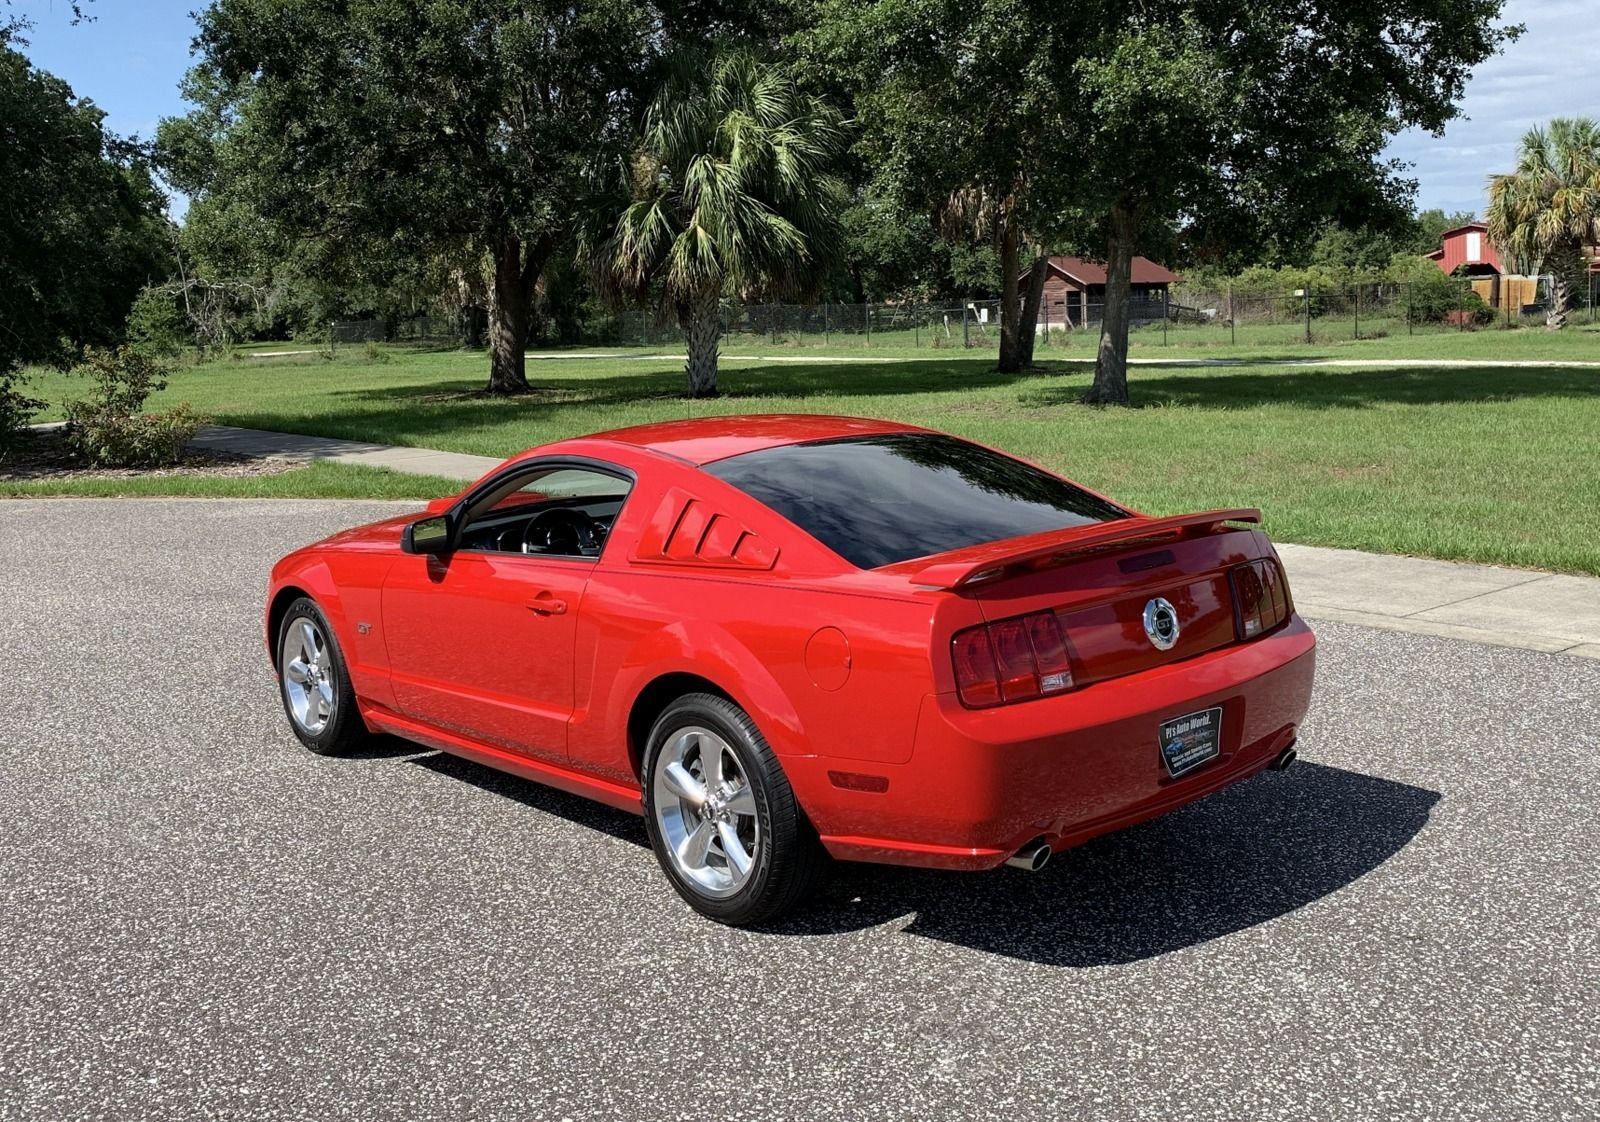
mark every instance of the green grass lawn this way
{"type": "Point", "coordinates": [1496, 465]}
{"type": "Point", "coordinates": [315, 481]}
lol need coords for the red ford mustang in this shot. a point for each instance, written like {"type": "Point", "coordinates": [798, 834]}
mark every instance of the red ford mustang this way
{"type": "Point", "coordinates": [781, 637]}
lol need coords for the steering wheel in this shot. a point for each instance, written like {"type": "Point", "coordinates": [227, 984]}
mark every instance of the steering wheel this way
{"type": "Point", "coordinates": [562, 532]}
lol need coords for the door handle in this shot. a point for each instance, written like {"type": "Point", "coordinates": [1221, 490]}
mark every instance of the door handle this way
{"type": "Point", "coordinates": [545, 604]}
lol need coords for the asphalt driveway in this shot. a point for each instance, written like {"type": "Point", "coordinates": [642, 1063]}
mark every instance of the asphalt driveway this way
{"type": "Point", "coordinates": [198, 919]}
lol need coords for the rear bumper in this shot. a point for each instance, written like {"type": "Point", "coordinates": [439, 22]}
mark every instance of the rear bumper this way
{"type": "Point", "coordinates": [981, 784]}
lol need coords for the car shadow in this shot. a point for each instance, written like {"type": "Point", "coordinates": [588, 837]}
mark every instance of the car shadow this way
{"type": "Point", "coordinates": [381, 746]}
{"type": "Point", "coordinates": [1252, 853]}
{"type": "Point", "coordinates": [575, 809]}
{"type": "Point", "coordinates": [1246, 855]}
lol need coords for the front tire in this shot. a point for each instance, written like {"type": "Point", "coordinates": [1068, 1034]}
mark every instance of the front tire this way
{"type": "Point", "coordinates": [314, 684]}
{"type": "Point", "coordinates": [722, 818]}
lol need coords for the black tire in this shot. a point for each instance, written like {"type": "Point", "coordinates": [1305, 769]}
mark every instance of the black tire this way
{"type": "Point", "coordinates": [344, 730]}
{"type": "Point", "coordinates": [789, 860]}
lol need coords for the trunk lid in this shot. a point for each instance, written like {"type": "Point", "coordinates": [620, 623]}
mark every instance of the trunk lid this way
{"type": "Point", "coordinates": [1099, 580]}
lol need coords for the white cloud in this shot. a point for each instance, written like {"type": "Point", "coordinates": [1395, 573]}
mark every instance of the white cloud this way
{"type": "Point", "coordinates": [1549, 72]}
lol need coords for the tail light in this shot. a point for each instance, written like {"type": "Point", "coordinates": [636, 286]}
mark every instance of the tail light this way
{"type": "Point", "coordinates": [1260, 597]}
{"type": "Point", "coordinates": [1012, 660]}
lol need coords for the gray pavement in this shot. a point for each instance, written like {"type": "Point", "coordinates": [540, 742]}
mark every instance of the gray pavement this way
{"type": "Point", "coordinates": [199, 919]}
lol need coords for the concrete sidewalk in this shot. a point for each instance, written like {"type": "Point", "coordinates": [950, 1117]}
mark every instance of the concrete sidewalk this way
{"type": "Point", "coordinates": [1521, 608]}
{"type": "Point", "coordinates": [1524, 608]}
{"type": "Point", "coordinates": [304, 449]}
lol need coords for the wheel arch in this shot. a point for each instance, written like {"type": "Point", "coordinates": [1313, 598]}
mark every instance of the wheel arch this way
{"type": "Point", "coordinates": [653, 700]}
{"type": "Point", "coordinates": [276, 610]}
{"type": "Point", "coordinates": [693, 657]}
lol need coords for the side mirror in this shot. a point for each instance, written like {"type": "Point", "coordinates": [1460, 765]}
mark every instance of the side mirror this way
{"type": "Point", "coordinates": [428, 535]}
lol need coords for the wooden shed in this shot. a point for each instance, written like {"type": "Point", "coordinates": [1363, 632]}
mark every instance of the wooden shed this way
{"type": "Point", "coordinates": [1075, 292]}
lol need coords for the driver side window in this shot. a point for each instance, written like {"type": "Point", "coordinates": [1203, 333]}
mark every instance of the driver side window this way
{"type": "Point", "coordinates": [561, 511]}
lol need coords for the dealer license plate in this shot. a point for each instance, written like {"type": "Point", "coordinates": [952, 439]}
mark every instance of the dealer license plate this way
{"type": "Point", "coordinates": [1191, 740]}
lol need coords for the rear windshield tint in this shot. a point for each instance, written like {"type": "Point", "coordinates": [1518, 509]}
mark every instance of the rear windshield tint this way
{"type": "Point", "coordinates": [876, 500]}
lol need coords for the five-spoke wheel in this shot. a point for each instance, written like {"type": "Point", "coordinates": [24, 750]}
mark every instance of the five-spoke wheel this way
{"type": "Point", "coordinates": [721, 815]}
{"type": "Point", "coordinates": [316, 690]}
{"type": "Point", "coordinates": [308, 676]}
{"type": "Point", "coordinates": [706, 811]}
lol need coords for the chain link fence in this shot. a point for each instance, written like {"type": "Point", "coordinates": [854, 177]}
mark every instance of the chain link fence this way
{"type": "Point", "coordinates": [1185, 316]}
{"type": "Point", "coordinates": [839, 326]}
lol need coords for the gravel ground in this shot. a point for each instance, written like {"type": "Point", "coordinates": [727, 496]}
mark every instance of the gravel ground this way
{"type": "Point", "coordinates": [198, 919]}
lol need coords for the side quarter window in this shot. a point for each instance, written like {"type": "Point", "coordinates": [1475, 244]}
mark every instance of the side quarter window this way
{"type": "Point", "coordinates": [559, 511]}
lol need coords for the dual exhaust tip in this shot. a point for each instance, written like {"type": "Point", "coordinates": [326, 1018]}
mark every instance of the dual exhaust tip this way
{"type": "Point", "coordinates": [1036, 854]}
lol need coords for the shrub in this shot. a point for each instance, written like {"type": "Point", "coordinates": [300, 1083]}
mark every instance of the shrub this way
{"type": "Point", "coordinates": [133, 440]}
{"type": "Point", "coordinates": [16, 410]}
{"type": "Point", "coordinates": [156, 325]}
{"type": "Point", "coordinates": [109, 427]}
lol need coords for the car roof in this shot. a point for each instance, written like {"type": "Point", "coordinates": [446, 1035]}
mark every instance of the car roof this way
{"type": "Point", "coordinates": [704, 440]}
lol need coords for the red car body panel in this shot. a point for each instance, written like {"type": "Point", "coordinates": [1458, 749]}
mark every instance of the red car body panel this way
{"type": "Point", "coordinates": [539, 665]}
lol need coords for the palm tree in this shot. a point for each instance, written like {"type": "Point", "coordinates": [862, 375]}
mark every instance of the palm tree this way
{"type": "Point", "coordinates": [1546, 211]}
{"type": "Point", "coordinates": [731, 194]}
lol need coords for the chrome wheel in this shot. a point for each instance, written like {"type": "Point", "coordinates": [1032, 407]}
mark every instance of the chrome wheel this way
{"type": "Point", "coordinates": [705, 811]}
{"type": "Point", "coordinates": [308, 675]}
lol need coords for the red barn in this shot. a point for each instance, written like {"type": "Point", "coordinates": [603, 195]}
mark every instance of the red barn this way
{"type": "Point", "coordinates": [1469, 249]}
{"type": "Point", "coordinates": [1075, 292]}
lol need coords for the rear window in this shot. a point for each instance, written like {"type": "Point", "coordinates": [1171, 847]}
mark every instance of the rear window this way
{"type": "Point", "coordinates": [876, 500]}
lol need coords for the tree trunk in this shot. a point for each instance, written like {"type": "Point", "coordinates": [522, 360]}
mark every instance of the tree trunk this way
{"type": "Point", "coordinates": [702, 329]}
{"type": "Point", "coordinates": [473, 335]}
{"type": "Point", "coordinates": [1560, 298]}
{"type": "Point", "coordinates": [1567, 265]}
{"type": "Point", "coordinates": [1010, 356]}
{"type": "Point", "coordinates": [1111, 363]}
{"type": "Point", "coordinates": [510, 312]}
{"type": "Point", "coordinates": [1030, 310]}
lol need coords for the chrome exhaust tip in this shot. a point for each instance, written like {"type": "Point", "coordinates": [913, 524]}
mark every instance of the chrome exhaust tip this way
{"type": "Point", "coordinates": [1031, 857]}
{"type": "Point", "coordinates": [1285, 758]}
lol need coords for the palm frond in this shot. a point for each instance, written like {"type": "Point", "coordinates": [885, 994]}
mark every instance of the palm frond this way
{"type": "Point", "coordinates": [733, 185]}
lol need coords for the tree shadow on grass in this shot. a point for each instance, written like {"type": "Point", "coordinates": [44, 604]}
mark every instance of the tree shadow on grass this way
{"type": "Point", "coordinates": [420, 412]}
{"type": "Point", "coordinates": [1336, 387]}
{"type": "Point", "coordinates": [1244, 856]}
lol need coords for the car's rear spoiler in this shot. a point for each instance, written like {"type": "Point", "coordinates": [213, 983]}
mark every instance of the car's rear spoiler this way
{"type": "Point", "coordinates": [965, 567]}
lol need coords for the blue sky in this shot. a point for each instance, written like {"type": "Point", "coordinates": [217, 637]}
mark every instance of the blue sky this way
{"type": "Point", "coordinates": [130, 58]}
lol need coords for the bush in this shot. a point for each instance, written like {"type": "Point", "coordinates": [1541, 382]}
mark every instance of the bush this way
{"type": "Point", "coordinates": [133, 440]}
{"type": "Point", "coordinates": [16, 410]}
{"type": "Point", "coordinates": [157, 326]}
{"type": "Point", "coordinates": [109, 427]}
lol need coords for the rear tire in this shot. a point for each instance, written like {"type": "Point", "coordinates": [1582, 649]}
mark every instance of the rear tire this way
{"type": "Point", "coordinates": [722, 818]}
{"type": "Point", "coordinates": [314, 684]}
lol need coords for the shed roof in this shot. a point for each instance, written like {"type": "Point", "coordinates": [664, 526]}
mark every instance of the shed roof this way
{"type": "Point", "coordinates": [1145, 271]}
